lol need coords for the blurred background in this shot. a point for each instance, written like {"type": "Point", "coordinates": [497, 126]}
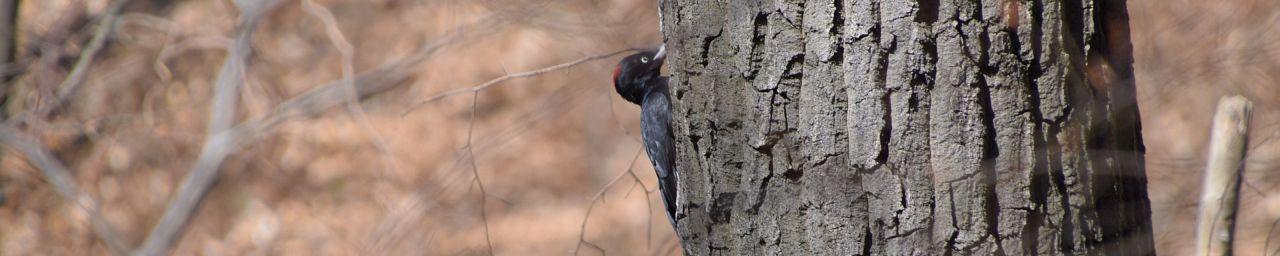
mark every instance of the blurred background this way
{"type": "Point", "coordinates": [1188, 55]}
{"type": "Point", "coordinates": [397, 175]}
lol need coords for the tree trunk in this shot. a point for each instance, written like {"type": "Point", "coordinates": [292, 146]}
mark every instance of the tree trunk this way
{"type": "Point", "coordinates": [897, 127]}
{"type": "Point", "coordinates": [8, 52]}
{"type": "Point", "coordinates": [8, 35]}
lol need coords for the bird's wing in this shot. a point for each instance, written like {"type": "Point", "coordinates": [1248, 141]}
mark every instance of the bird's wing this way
{"type": "Point", "coordinates": [659, 143]}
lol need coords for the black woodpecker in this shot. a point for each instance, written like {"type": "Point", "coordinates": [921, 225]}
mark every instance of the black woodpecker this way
{"type": "Point", "coordinates": [638, 80]}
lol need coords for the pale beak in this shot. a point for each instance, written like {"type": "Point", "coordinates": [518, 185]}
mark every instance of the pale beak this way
{"type": "Point", "coordinates": [662, 52]}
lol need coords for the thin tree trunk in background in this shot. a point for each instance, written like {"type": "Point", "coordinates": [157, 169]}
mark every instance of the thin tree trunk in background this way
{"type": "Point", "coordinates": [1219, 195]}
{"type": "Point", "coordinates": [8, 32]}
{"type": "Point", "coordinates": [869, 127]}
{"type": "Point", "coordinates": [8, 48]}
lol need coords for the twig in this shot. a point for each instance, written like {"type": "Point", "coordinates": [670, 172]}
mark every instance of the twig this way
{"type": "Point", "coordinates": [347, 51]}
{"type": "Point", "coordinates": [311, 103]}
{"type": "Point", "coordinates": [170, 46]}
{"type": "Point", "coordinates": [475, 170]}
{"type": "Point", "coordinates": [471, 155]}
{"type": "Point", "coordinates": [63, 183]}
{"type": "Point", "coordinates": [174, 49]}
{"type": "Point", "coordinates": [76, 77]}
{"type": "Point", "coordinates": [1219, 195]}
{"type": "Point", "coordinates": [218, 144]}
{"type": "Point", "coordinates": [582, 233]}
{"type": "Point", "coordinates": [614, 114]}
{"type": "Point", "coordinates": [504, 78]}
{"type": "Point", "coordinates": [449, 182]}
{"type": "Point", "coordinates": [1266, 244]}
{"type": "Point", "coordinates": [470, 146]}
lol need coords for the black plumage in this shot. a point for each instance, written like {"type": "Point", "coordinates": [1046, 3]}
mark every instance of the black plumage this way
{"type": "Point", "coordinates": [638, 80]}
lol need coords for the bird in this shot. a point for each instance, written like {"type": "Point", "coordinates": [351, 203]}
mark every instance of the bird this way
{"type": "Point", "coordinates": [638, 79]}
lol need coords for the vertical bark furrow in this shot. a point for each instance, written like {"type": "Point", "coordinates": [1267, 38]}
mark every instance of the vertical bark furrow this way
{"type": "Point", "coordinates": [864, 71]}
{"type": "Point", "coordinates": [1036, 238]}
{"type": "Point", "coordinates": [727, 166]}
{"type": "Point", "coordinates": [1063, 202]}
{"type": "Point", "coordinates": [904, 192]}
{"type": "Point", "coordinates": [1094, 133]}
{"type": "Point", "coordinates": [747, 21]}
{"type": "Point", "coordinates": [1078, 171]}
{"type": "Point", "coordinates": [831, 191]}
{"type": "Point", "coordinates": [958, 134]}
{"type": "Point", "coordinates": [763, 218]}
{"type": "Point", "coordinates": [1008, 62]}
{"type": "Point", "coordinates": [700, 198]}
{"type": "Point", "coordinates": [1121, 185]}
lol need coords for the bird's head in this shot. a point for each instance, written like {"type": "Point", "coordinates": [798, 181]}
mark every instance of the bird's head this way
{"type": "Point", "coordinates": [634, 71]}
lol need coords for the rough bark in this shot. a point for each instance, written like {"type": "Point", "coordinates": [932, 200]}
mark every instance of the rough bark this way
{"type": "Point", "coordinates": [885, 127]}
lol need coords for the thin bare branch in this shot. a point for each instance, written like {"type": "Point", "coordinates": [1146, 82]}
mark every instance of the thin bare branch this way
{"type": "Point", "coordinates": [63, 183]}
{"type": "Point", "coordinates": [347, 51]}
{"type": "Point", "coordinates": [218, 144]}
{"type": "Point", "coordinates": [174, 49]}
{"type": "Point", "coordinates": [471, 155]}
{"type": "Point", "coordinates": [475, 170]}
{"type": "Point", "coordinates": [380, 79]}
{"type": "Point", "coordinates": [326, 96]}
{"type": "Point", "coordinates": [1266, 245]}
{"type": "Point", "coordinates": [614, 115]}
{"type": "Point", "coordinates": [75, 78]}
{"type": "Point", "coordinates": [507, 77]}
{"type": "Point", "coordinates": [454, 181]}
{"type": "Point", "coordinates": [171, 46]}
{"type": "Point", "coordinates": [582, 234]}
{"type": "Point", "coordinates": [1220, 192]}
{"type": "Point", "coordinates": [469, 159]}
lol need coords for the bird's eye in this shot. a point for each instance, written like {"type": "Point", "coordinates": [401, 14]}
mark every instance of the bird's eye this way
{"type": "Point", "coordinates": [644, 59]}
